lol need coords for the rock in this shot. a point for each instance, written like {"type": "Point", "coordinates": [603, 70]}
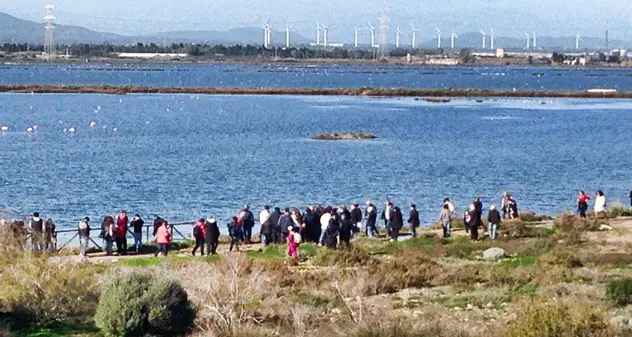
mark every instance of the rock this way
{"type": "Point", "coordinates": [493, 254]}
{"type": "Point", "coordinates": [437, 100]}
{"type": "Point", "coordinates": [457, 309]}
{"type": "Point", "coordinates": [490, 305]}
{"type": "Point", "coordinates": [336, 311]}
{"type": "Point", "coordinates": [620, 321]}
{"type": "Point", "coordinates": [605, 228]}
{"type": "Point", "coordinates": [344, 136]}
{"type": "Point", "coordinates": [470, 307]}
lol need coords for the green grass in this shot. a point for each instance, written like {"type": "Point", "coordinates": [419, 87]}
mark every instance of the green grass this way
{"type": "Point", "coordinates": [143, 262]}
{"type": "Point", "coordinates": [272, 252]}
{"type": "Point", "coordinates": [57, 330]}
{"type": "Point", "coordinates": [520, 261]}
{"type": "Point", "coordinates": [527, 289]}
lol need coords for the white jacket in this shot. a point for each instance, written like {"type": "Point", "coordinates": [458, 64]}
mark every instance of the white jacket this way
{"type": "Point", "coordinates": [600, 204]}
{"type": "Point", "coordinates": [264, 216]}
{"type": "Point", "coordinates": [324, 221]}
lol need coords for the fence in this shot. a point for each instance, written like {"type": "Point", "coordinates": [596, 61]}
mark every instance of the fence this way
{"type": "Point", "coordinates": [68, 236]}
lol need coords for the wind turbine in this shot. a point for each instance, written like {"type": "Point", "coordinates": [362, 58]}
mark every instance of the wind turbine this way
{"type": "Point", "coordinates": [267, 29]}
{"type": "Point", "coordinates": [577, 40]}
{"type": "Point", "coordinates": [355, 36]}
{"type": "Point", "coordinates": [438, 38]}
{"type": "Point", "coordinates": [287, 36]}
{"type": "Point", "coordinates": [535, 39]}
{"type": "Point", "coordinates": [372, 35]}
{"type": "Point", "coordinates": [397, 33]}
{"type": "Point", "coordinates": [491, 41]}
{"type": "Point", "coordinates": [415, 30]}
{"type": "Point", "coordinates": [453, 37]}
{"type": "Point", "coordinates": [317, 33]}
{"type": "Point", "coordinates": [528, 40]}
{"type": "Point", "coordinates": [484, 35]}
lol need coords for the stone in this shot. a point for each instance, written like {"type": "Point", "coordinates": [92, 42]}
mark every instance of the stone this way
{"type": "Point", "coordinates": [494, 254]}
{"type": "Point", "coordinates": [605, 228]}
{"type": "Point", "coordinates": [344, 136]}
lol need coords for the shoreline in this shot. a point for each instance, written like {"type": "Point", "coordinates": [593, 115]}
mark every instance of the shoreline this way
{"type": "Point", "coordinates": [365, 92]}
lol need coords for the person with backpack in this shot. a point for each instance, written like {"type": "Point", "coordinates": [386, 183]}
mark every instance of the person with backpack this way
{"type": "Point", "coordinates": [293, 242]}
{"type": "Point", "coordinates": [413, 220]}
{"type": "Point", "coordinates": [234, 231]}
{"type": "Point", "coordinates": [137, 224]}
{"type": "Point", "coordinates": [36, 226]}
{"type": "Point", "coordinates": [199, 235]}
{"type": "Point", "coordinates": [163, 239]}
{"type": "Point", "coordinates": [121, 233]}
{"type": "Point", "coordinates": [84, 236]}
{"type": "Point", "coordinates": [212, 236]}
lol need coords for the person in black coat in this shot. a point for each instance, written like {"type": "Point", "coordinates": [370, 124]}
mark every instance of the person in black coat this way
{"type": "Point", "coordinates": [396, 222]}
{"type": "Point", "coordinates": [312, 225]}
{"type": "Point", "coordinates": [331, 234]}
{"type": "Point", "coordinates": [413, 220]}
{"type": "Point", "coordinates": [371, 219]}
{"type": "Point", "coordinates": [212, 236]}
{"type": "Point", "coordinates": [345, 231]}
{"type": "Point", "coordinates": [475, 222]}
{"type": "Point", "coordinates": [285, 221]}
{"type": "Point", "coordinates": [274, 228]}
{"type": "Point", "coordinates": [356, 218]}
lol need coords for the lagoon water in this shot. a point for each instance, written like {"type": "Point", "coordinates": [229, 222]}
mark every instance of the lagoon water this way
{"type": "Point", "coordinates": [185, 157]}
{"type": "Point", "coordinates": [321, 76]}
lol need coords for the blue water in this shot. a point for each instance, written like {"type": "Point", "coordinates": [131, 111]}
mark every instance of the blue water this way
{"type": "Point", "coordinates": [186, 157]}
{"type": "Point", "coordinates": [321, 76]}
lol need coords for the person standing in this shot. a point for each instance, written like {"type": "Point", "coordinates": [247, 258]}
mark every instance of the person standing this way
{"type": "Point", "coordinates": [356, 218]}
{"type": "Point", "coordinates": [107, 233]}
{"type": "Point", "coordinates": [285, 221]}
{"type": "Point", "coordinates": [582, 204]}
{"type": "Point", "coordinates": [234, 233]}
{"type": "Point", "coordinates": [345, 231]}
{"type": "Point", "coordinates": [413, 220]}
{"type": "Point", "coordinates": [247, 220]}
{"type": "Point", "coordinates": [264, 215]}
{"type": "Point", "coordinates": [36, 225]}
{"type": "Point", "coordinates": [445, 218]}
{"type": "Point", "coordinates": [49, 235]}
{"type": "Point", "coordinates": [630, 196]}
{"type": "Point", "coordinates": [333, 229]}
{"type": "Point", "coordinates": [212, 236]}
{"type": "Point", "coordinates": [199, 234]}
{"type": "Point", "coordinates": [121, 233]}
{"type": "Point", "coordinates": [600, 204]}
{"type": "Point", "coordinates": [137, 224]}
{"type": "Point", "coordinates": [163, 239]}
{"type": "Point", "coordinates": [475, 222]}
{"type": "Point", "coordinates": [275, 230]}
{"type": "Point", "coordinates": [396, 222]}
{"type": "Point", "coordinates": [293, 242]}
{"type": "Point", "coordinates": [370, 214]}
{"type": "Point", "coordinates": [494, 220]}
{"type": "Point", "coordinates": [84, 236]}
{"type": "Point", "coordinates": [324, 224]}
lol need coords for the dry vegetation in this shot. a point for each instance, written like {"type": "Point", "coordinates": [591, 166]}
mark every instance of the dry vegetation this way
{"type": "Point", "coordinates": [561, 280]}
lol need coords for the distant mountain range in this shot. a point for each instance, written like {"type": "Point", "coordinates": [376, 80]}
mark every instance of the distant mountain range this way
{"type": "Point", "coordinates": [13, 29]}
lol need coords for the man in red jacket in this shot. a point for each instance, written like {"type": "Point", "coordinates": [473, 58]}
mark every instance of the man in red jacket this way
{"type": "Point", "coordinates": [121, 233]}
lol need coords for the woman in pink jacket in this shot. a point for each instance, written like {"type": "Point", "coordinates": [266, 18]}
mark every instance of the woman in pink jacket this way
{"type": "Point", "coordinates": [293, 241]}
{"type": "Point", "coordinates": [163, 238]}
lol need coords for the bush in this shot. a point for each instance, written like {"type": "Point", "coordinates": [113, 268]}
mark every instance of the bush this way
{"type": "Point", "coordinates": [136, 304]}
{"type": "Point", "coordinates": [408, 269]}
{"type": "Point", "coordinates": [617, 211]}
{"type": "Point", "coordinates": [344, 258]}
{"type": "Point", "coordinates": [521, 229]}
{"type": "Point", "coordinates": [39, 293]}
{"type": "Point", "coordinates": [619, 292]}
{"type": "Point", "coordinates": [529, 216]}
{"type": "Point", "coordinates": [560, 257]}
{"type": "Point", "coordinates": [559, 319]}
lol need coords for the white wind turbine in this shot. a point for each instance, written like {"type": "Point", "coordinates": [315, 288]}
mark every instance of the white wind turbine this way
{"type": "Point", "coordinates": [267, 29]}
{"type": "Point", "coordinates": [325, 32]}
{"type": "Point", "coordinates": [484, 35]}
{"type": "Point", "coordinates": [414, 30]}
{"type": "Point", "coordinates": [287, 36]}
{"type": "Point", "coordinates": [535, 39]}
{"type": "Point", "coordinates": [453, 37]}
{"type": "Point", "coordinates": [372, 35]}
{"type": "Point", "coordinates": [491, 39]}
{"type": "Point", "coordinates": [438, 38]}
{"type": "Point", "coordinates": [317, 33]}
{"type": "Point", "coordinates": [355, 36]}
{"type": "Point", "coordinates": [528, 40]}
{"type": "Point", "coordinates": [577, 40]}
{"type": "Point", "coordinates": [397, 34]}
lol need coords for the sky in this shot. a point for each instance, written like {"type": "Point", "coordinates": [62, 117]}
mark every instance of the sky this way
{"type": "Point", "coordinates": [506, 17]}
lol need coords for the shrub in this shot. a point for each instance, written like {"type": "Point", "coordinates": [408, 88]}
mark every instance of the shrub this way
{"type": "Point", "coordinates": [559, 319]}
{"type": "Point", "coordinates": [568, 222]}
{"type": "Point", "coordinates": [521, 229]}
{"type": "Point", "coordinates": [407, 269]}
{"type": "Point", "coordinates": [136, 304]}
{"type": "Point", "coordinates": [617, 211]}
{"type": "Point", "coordinates": [560, 257]}
{"type": "Point", "coordinates": [619, 292]}
{"type": "Point", "coordinates": [345, 258]}
{"type": "Point", "coordinates": [530, 216]}
{"type": "Point", "coordinates": [40, 293]}
{"type": "Point", "coordinates": [613, 259]}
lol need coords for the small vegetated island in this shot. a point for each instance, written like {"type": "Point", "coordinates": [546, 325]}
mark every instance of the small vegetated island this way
{"type": "Point", "coordinates": [344, 136]}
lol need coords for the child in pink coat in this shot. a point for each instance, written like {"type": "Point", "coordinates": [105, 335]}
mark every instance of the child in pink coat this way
{"type": "Point", "coordinates": [293, 241]}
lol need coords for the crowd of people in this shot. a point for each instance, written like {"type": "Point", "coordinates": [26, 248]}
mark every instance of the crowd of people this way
{"type": "Point", "coordinates": [332, 227]}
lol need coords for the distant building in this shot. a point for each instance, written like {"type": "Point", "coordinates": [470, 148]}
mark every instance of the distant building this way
{"type": "Point", "coordinates": [443, 61]}
{"type": "Point", "coordinates": [500, 53]}
{"type": "Point", "coordinates": [147, 56]}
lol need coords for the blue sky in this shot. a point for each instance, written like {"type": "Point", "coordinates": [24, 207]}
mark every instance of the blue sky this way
{"type": "Point", "coordinates": [507, 17]}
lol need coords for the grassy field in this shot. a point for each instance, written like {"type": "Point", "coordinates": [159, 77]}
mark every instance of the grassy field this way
{"type": "Point", "coordinates": [562, 277]}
